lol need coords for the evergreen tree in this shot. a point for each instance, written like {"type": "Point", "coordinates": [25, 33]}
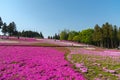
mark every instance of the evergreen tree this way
{"type": "Point", "coordinates": [118, 36]}
{"type": "Point", "coordinates": [41, 35]}
{"type": "Point", "coordinates": [115, 36]}
{"type": "Point", "coordinates": [98, 36]}
{"type": "Point", "coordinates": [105, 34]}
{"type": "Point", "coordinates": [11, 28]}
{"type": "Point", "coordinates": [1, 22]}
{"type": "Point", "coordinates": [56, 36]}
{"type": "Point", "coordinates": [111, 36]}
{"type": "Point", "coordinates": [51, 37]}
{"type": "Point", "coordinates": [48, 37]}
{"type": "Point", "coordinates": [5, 29]}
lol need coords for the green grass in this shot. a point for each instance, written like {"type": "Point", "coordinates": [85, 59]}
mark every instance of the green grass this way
{"type": "Point", "coordinates": [96, 71]}
{"type": "Point", "coordinates": [44, 44]}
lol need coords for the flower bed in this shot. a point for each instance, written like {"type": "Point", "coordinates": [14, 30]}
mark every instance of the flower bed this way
{"type": "Point", "coordinates": [35, 63]}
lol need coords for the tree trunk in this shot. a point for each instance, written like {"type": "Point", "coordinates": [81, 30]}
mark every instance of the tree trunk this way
{"type": "Point", "coordinates": [98, 43]}
{"type": "Point", "coordinates": [111, 43]}
{"type": "Point", "coordinates": [108, 43]}
{"type": "Point", "coordinates": [119, 43]}
{"type": "Point", "coordinates": [101, 44]}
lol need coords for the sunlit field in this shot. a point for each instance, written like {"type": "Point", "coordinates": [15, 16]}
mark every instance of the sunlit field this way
{"type": "Point", "coordinates": [44, 59]}
{"type": "Point", "coordinates": [59, 39]}
{"type": "Point", "coordinates": [35, 62]}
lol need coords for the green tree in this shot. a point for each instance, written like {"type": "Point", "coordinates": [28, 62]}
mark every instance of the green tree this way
{"type": "Point", "coordinates": [64, 35]}
{"type": "Point", "coordinates": [5, 29]}
{"type": "Point", "coordinates": [98, 36]}
{"type": "Point", "coordinates": [56, 36]}
{"type": "Point", "coordinates": [118, 36]}
{"type": "Point", "coordinates": [51, 37]}
{"type": "Point", "coordinates": [71, 35]}
{"type": "Point", "coordinates": [115, 31]}
{"type": "Point", "coordinates": [76, 38]}
{"type": "Point", "coordinates": [48, 37]}
{"type": "Point", "coordinates": [86, 36]}
{"type": "Point", "coordinates": [31, 34]}
{"type": "Point", "coordinates": [11, 28]}
{"type": "Point", "coordinates": [1, 22]}
{"type": "Point", "coordinates": [105, 29]}
{"type": "Point", "coordinates": [111, 36]}
{"type": "Point", "coordinates": [41, 35]}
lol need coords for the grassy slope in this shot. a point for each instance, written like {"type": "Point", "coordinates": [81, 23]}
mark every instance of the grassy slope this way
{"type": "Point", "coordinates": [95, 65]}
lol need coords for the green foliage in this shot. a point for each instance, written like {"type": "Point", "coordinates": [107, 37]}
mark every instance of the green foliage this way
{"type": "Point", "coordinates": [71, 35]}
{"type": "Point", "coordinates": [56, 36]}
{"type": "Point", "coordinates": [110, 39]}
{"type": "Point", "coordinates": [38, 35]}
{"type": "Point", "coordinates": [118, 35]}
{"type": "Point", "coordinates": [1, 22]}
{"type": "Point", "coordinates": [107, 36]}
{"type": "Point", "coordinates": [64, 35]}
{"type": "Point", "coordinates": [11, 29]}
{"type": "Point", "coordinates": [97, 35]}
{"type": "Point", "coordinates": [76, 38]}
{"type": "Point", "coordinates": [105, 29]}
{"type": "Point", "coordinates": [4, 28]}
{"type": "Point", "coordinates": [86, 36]}
{"type": "Point", "coordinates": [31, 34]}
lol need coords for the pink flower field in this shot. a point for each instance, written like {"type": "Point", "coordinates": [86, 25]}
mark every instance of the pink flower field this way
{"type": "Point", "coordinates": [30, 59]}
{"type": "Point", "coordinates": [35, 63]}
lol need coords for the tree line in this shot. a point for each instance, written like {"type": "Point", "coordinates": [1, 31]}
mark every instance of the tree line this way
{"type": "Point", "coordinates": [11, 30]}
{"type": "Point", "coordinates": [107, 36]}
{"type": "Point", "coordinates": [56, 36]}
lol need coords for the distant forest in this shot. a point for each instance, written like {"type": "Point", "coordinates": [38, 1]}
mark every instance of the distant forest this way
{"type": "Point", "coordinates": [11, 30]}
{"type": "Point", "coordinates": [106, 36]}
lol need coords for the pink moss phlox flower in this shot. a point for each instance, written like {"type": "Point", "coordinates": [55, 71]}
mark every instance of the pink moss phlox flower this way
{"type": "Point", "coordinates": [84, 70]}
{"type": "Point", "coordinates": [35, 63]}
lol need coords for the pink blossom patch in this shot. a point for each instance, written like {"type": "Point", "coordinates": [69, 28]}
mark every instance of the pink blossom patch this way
{"type": "Point", "coordinates": [35, 63]}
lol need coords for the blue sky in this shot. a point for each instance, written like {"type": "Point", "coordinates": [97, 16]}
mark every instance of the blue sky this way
{"type": "Point", "coordinates": [52, 16]}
